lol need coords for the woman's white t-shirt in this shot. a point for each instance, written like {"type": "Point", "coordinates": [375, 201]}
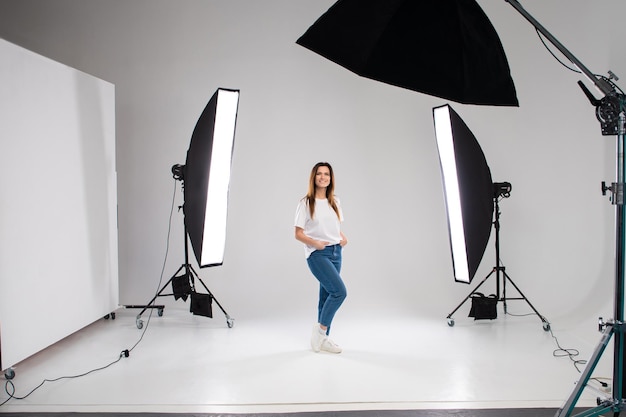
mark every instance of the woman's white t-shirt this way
{"type": "Point", "coordinates": [324, 226]}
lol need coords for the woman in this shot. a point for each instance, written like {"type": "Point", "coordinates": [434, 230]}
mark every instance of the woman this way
{"type": "Point", "coordinates": [318, 226]}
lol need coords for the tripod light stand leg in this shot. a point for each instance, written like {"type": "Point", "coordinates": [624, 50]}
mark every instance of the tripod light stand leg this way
{"type": "Point", "coordinates": [151, 304]}
{"type": "Point", "coordinates": [450, 319]}
{"type": "Point", "coordinates": [230, 322]}
{"type": "Point", "coordinates": [546, 324]}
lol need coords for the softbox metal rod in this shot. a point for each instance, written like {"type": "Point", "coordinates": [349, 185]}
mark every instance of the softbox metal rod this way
{"type": "Point", "coordinates": [601, 84]}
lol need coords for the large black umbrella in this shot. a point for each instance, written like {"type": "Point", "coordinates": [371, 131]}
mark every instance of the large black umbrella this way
{"type": "Point", "coordinates": [444, 48]}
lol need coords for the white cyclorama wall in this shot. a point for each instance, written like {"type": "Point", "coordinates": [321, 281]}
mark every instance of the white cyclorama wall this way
{"type": "Point", "coordinates": [58, 218]}
{"type": "Point", "coordinates": [296, 108]}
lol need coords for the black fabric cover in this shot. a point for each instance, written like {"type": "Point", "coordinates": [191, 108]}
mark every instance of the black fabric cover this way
{"type": "Point", "coordinates": [444, 48]}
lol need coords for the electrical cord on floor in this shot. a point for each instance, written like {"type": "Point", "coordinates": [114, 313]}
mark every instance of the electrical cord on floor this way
{"type": "Point", "coordinates": [519, 315]}
{"type": "Point", "coordinates": [567, 353]}
{"type": "Point", "coordinates": [561, 352]}
{"type": "Point", "coordinates": [9, 386]}
{"type": "Point", "coordinates": [571, 354]}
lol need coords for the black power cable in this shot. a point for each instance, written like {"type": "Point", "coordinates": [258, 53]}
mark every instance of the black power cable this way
{"type": "Point", "coordinates": [9, 386]}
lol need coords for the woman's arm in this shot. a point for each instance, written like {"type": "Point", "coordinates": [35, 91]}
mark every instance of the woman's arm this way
{"type": "Point", "coordinates": [344, 240]}
{"type": "Point", "coordinates": [317, 244]}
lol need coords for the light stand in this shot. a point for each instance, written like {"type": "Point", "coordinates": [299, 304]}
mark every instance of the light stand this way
{"type": "Point", "coordinates": [616, 325]}
{"type": "Point", "coordinates": [499, 270]}
{"type": "Point", "coordinates": [610, 111]}
{"type": "Point", "coordinates": [205, 177]}
{"type": "Point", "coordinates": [190, 274]}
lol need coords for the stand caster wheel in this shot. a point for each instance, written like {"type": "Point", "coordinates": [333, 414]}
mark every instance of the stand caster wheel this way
{"type": "Point", "coordinates": [139, 323]}
{"type": "Point", "coordinates": [230, 322]}
{"type": "Point", "coordinates": [160, 312]}
{"type": "Point", "coordinates": [451, 322]}
{"type": "Point", "coordinates": [546, 326]}
{"type": "Point", "coordinates": [9, 374]}
{"type": "Point", "coordinates": [111, 316]}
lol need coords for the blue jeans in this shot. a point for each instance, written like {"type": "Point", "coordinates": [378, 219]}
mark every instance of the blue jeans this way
{"type": "Point", "coordinates": [325, 265]}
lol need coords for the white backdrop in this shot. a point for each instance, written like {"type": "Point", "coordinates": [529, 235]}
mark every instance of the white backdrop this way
{"type": "Point", "coordinates": [296, 108]}
{"type": "Point", "coordinates": [58, 239]}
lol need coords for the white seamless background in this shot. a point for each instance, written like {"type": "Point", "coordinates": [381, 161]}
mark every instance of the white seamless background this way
{"type": "Point", "coordinates": [296, 108]}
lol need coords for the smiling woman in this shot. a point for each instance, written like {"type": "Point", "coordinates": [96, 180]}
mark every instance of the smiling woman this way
{"type": "Point", "coordinates": [318, 226]}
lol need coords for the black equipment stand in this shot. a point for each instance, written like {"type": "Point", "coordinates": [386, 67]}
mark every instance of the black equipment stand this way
{"type": "Point", "coordinates": [610, 112]}
{"type": "Point", "coordinates": [204, 306]}
{"type": "Point", "coordinates": [501, 275]}
{"type": "Point", "coordinates": [191, 275]}
{"type": "Point", "coordinates": [615, 326]}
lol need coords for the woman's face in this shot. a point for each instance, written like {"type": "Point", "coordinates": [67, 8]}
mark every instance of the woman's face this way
{"type": "Point", "coordinates": [322, 177]}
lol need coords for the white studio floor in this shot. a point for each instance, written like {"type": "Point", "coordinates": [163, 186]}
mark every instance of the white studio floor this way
{"type": "Point", "coordinates": [187, 363]}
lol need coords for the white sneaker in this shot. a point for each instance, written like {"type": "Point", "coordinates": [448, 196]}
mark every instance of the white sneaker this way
{"type": "Point", "coordinates": [317, 338]}
{"type": "Point", "coordinates": [330, 346]}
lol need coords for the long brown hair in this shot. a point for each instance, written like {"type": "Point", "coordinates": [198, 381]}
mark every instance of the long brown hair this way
{"type": "Point", "coordinates": [330, 190]}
